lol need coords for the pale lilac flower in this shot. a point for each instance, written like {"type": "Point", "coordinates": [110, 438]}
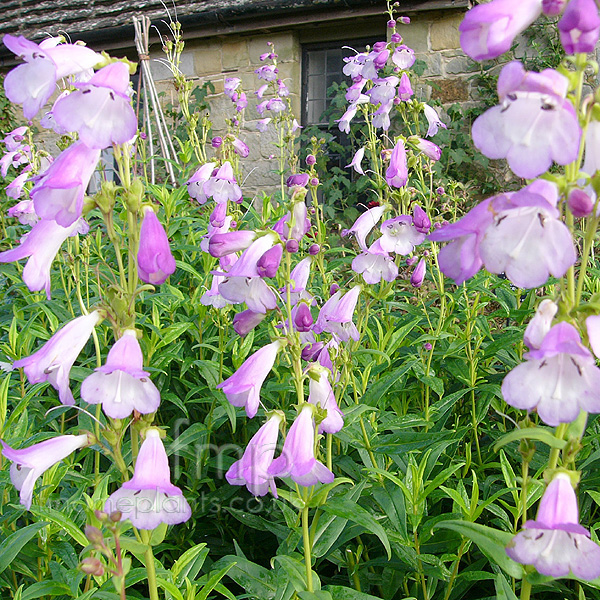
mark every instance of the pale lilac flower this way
{"type": "Point", "coordinates": [299, 280]}
{"type": "Point", "coordinates": [561, 378]}
{"type": "Point", "coordinates": [399, 235]}
{"type": "Point", "coordinates": [297, 459]}
{"type": "Point", "coordinates": [533, 126]}
{"type": "Point", "coordinates": [263, 124]}
{"type": "Point", "coordinates": [33, 83]}
{"type": "Point", "coordinates": [30, 463]}
{"type": "Point", "coordinates": [243, 387]}
{"type": "Point", "coordinates": [257, 295]}
{"type": "Point", "coordinates": [58, 192]}
{"type": "Point", "coordinates": [356, 161]}
{"type": "Point", "coordinates": [14, 159]}
{"type": "Point", "coordinates": [252, 469]}
{"type": "Point", "coordinates": [242, 102]}
{"type": "Point", "coordinates": [53, 361]}
{"type": "Point", "coordinates": [381, 117]}
{"type": "Point", "coordinates": [276, 105]}
{"type": "Point", "coordinates": [100, 110]}
{"type": "Point", "coordinates": [260, 92]}
{"type": "Point", "coordinates": [418, 274]}
{"type": "Point", "coordinates": [488, 30]}
{"type": "Point", "coordinates": [282, 89]}
{"type": "Point", "coordinates": [364, 224]}
{"type": "Point", "coordinates": [403, 57]}
{"type": "Point", "coordinates": [231, 85]}
{"type": "Point", "coordinates": [302, 317]}
{"type": "Point", "coordinates": [149, 498]}
{"type": "Point", "coordinates": [336, 315]}
{"type": "Point", "coordinates": [396, 175]}
{"type": "Point", "coordinates": [212, 297]}
{"type": "Point", "coordinates": [244, 322]}
{"type": "Point", "coordinates": [354, 65]}
{"type": "Point", "coordinates": [41, 245]}
{"type": "Point", "coordinates": [354, 92]}
{"type": "Point", "coordinates": [13, 139]}
{"type": "Point", "coordinates": [222, 244]}
{"type": "Point", "coordinates": [218, 215]}
{"type": "Point", "coordinates": [261, 107]}
{"type": "Point", "coordinates": [579, 27]}
{"type": "Point", "coordinates": [321, 394]}
{"type": "Point", "coordinates": [429, 149]}
{"type": "Point", "coordinates": [15, 188]}
{"type": "Point", "coordinates": [267, 72]}
{"type": "Point", "coordinates": [299, 179]}
{"type": "Point", "coordinates": [247, 264]}
{"type": "Point", "coordinates": [421, 220]}
{"type": "Point", "coordinates": [555, 543]}
{"type": "Point", "coordinates": [121, 385]}
{"type": "Point", "coordinates": [433, 121]}
{"type": "Point", "coordinates": [240, 148]}
{"type": "Point", "coordinates": [268, 263]}
{"type": "Point", "coordinates": [540, 324]}
{"type": "Point", "coordinates": [24, 211]}
{"type": "Point", "coordinates": [154, 259]}
{"type": "Point", "coordinates": [405, 90]}
{"type": "Point", "coordinates": [526, 238]}
{"type": "Point", "coordinates": [223, 186]}
{"type": "Point", "coordinates": [295, 126]}
{"type": "Point", "coordinates": [344, 122]}
{"type": "Point", "coordinates": [461, 259]}
{"type": "Point", "coordinates": [195, 183]}
{"type": "Point", "coordinates": [375, 264]}
{"type": "Point", "coordinates": [383, 90]}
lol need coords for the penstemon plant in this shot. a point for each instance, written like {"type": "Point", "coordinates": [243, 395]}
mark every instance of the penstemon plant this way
{"type": "Point", "coordinates": [356, 377]}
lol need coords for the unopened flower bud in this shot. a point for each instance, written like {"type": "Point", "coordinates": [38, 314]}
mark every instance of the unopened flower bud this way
{"type": "Point", "coordinates": [143, 135]}
{"type": "Point", "coordinates": [314, 182]}
{"type": "Point", "coordinates": [303, 319]}
{"type": "Point", "coordinates": [396, 38]}
{"type": "Point", "coordinates": [580, 204]}
{"type": "Point", "coordinates": [116, 516]}
{"type": "Point", "coordinates": [391, 24]}
{"type": "Point", "coordinates": [437, 225]}
{"type": "Point", "coordinates": [311, 160]}
{"type": "Point", "coordinates": [379, 46]}
{"type": "Point", "coordinates": [427, 346]}
{"type": "Point", "coordinates": [92, 566]}
{"type": "Point", "coordinates": [404, 20]}
{"type": "Point", "coordinates": [216, 142]}
{"type": "Point", "coordinates": [418, 275]}
{"type": "Point", "coordinates": [292, 246]}
{"type": "Point", "coordinates": [94, 535]}
{"type": "Point", "coordinates": [314, 249]}
{"type": "Point", "coordinates": [100, 515]}
{"type": "Point", "coordinates": [333, 289]}
{"type": "Point", "coordinates": [412, 260]}
{"type": "Point", "coordinates": [440, 191]}
{"type": "Point", "coordinates": [268, 263]}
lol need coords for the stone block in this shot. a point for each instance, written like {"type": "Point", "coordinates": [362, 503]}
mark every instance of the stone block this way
{"type": "Point", "coordinates": [207, 60]}
{"type": "Point", "coordinates": [161, 71]}
{"type": "Point", "coordinates": [416, 35]}
{"type": "Point", "coordinates": [444, 33]}
{"type": "Point", "coordinates": [434, 64]}
{"type": "Point", "coordinates": [460, 64]}
{"type": "Point", "coordinates": [450, 90]}
{"type": "Point", "coordinates": [235, 55]}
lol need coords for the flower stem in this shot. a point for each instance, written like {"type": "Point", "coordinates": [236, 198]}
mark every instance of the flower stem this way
{"type": "Point", "coordinates": [307, 549]}
{"type": "Point", "coordinates": [150, 567]}
{"type": "Point", "coordinates": [525, 589]}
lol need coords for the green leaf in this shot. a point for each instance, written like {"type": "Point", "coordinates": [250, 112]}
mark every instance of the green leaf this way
{"type": "Point", "coordinates": [64, 522]}
{"type": "Point", "coordinates": [339, 592]}
{"type": "Point", "coordinates": [170, 588]}
{"type": "Point", "coordinates": [295, 572]}
{"type": "Point", "coordinates": [492, 542]}
{"type": "Point", "coordinates": [376, 391]}
{"type": "Point", "coordinates": [320, 595]}
{"type": "Point", "coordinates": [13, 544]}
{"type": "Point", "coordinates": [357, 514]}
{"type": "Point", "coordinates": [321, 495]}
{"type": "Point", "coordinates": [503, 589]}
{"type": "Point", "coordinates": [46, 588]}
{"type": "Point", "coordinates": [540, 434]}
{"type": "Point", "coordinates": [184, 564]}
{"type": "Point", "coordinates": [256, 580]}
{"type": "Point", "coordinates": [212, 582]}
